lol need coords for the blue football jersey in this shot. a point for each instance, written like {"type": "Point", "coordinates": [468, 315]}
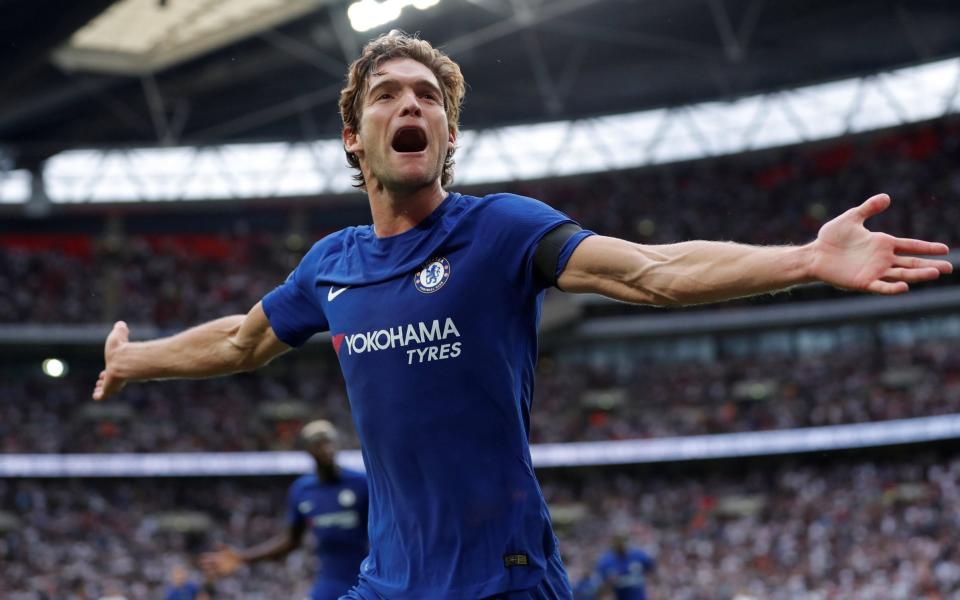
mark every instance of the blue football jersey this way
{"type": "Point", "coordinates": [626, 573]}
{"type": "Point", "coordinates": [436, 333]}
{"type": "Point", "coordinates": [187, 591]}
{"type": "Point", "coordinates": [336, 513]}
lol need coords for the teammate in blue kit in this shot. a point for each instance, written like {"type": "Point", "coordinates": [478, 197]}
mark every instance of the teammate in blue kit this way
{"type": "Point", "coordinates": [332, 503]}
{"type": "Point", "coordinates": [180, 587]}
{"type": "Point", "coordinates": [625, 570]}
{"type": "Point", "coordinates": [433, 312]}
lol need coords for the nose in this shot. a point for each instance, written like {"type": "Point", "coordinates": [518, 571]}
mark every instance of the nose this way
{"type": "Point", "coordinates": [410, 105]}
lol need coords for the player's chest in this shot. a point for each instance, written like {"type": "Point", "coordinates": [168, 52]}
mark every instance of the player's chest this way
{"type": "Point", "coordinates": [450, 283]}
{"type": "Point", "coordinates": [326, 508]}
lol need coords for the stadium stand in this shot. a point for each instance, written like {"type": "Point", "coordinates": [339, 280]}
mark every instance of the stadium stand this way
{"type": "Point", "coordinates": [859, 527]}
{"type": "Point", "coordinates": [157, 273]}
{"type": "Point", "coordinates": [577, 399]}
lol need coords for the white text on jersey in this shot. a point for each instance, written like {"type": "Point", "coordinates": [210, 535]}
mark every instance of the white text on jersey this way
{"type": "Point", "coordinates": [402, 336]}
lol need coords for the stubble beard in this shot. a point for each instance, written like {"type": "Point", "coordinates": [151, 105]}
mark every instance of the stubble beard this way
{"type": "Point", "coordinates": [406, 185]}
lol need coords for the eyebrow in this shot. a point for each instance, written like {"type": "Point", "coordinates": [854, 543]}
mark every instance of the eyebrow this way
{"type": "Point", "coordinates": [394, 82]}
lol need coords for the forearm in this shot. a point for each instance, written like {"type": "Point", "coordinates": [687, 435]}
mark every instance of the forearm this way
{"type": "Point", "coordinates": [274, 548]}
{"type": "Point", "coordinates": [684, 273]}
{"type": "Point", "coordinates": [207, 350]}
{"type": "Point", "coordinates": [700, 271]}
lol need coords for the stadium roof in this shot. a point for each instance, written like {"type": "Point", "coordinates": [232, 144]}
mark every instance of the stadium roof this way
{"type": "Point", "coordinates": [525, 60]}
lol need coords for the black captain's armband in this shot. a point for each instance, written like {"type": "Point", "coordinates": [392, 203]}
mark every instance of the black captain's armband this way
{"type": "Point", "coordinates": [548, 252]}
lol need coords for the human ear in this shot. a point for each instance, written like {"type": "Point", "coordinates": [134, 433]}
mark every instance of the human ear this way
{"type": "Point", "coordinates": [351, 140]}
{"type": "Point", "coordinates": [452, 141]}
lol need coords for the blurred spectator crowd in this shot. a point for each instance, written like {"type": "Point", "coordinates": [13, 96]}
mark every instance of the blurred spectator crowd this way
{"type": "Point", "coordinates": [174, 279]}
{"type": "Point", "coordinates": [167, 281]}
{"type": "Point", "coordinates": [827, 529]}
{"type": "Point", "coordinates": [572, 402]}
{"type": "Point", "coordinates": [245, 412]}
{"type": "Point", "coordinates": [853, 384]}
{"type": "Point", "coordinates": [83, 540]}
{"type": "Point", "coordinates": [857, 529]}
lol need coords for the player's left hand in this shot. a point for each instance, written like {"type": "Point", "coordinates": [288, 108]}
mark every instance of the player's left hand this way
{"type": "Point", "coordinates": [108, 383]}
{"type": "Point", "coordinates": [221, 563]}
{"type": "Point", "coordinates": [847, 255]}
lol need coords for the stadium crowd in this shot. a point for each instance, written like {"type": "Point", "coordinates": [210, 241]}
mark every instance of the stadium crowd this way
{"type": "Point", "coordinates": [166, 281]}
{"type": "Point", "coordinates": [857, 529]}
{"type": "Point", "coordinates": [246, 412]}
{"type": "Point", "coordinates": [173, 279]}
{"type": "Point", "coordinates": [81, 540]}
{"type": "Point", "coordinates": [851, 384]}
{"type": "Point", "coordinates": [576, 402]}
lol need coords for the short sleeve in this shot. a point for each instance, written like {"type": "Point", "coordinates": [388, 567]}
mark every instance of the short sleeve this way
{"type": "Point", "coordinates": [293, 312]}
{"type": "Point", "coordinates": [568, 249]}
{"type": "Point", "coordinates": [515, 225]}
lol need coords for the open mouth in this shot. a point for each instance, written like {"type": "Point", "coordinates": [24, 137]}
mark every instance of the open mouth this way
{"type": "Point", "coordinates": [409, 139]}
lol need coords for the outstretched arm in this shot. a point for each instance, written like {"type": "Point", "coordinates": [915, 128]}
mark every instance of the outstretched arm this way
{"type": "Point", "coordinates": [221, 347]}
{"type": "Point", "coordinates": [845, 255]}
{"type": "Point", "coordinates": [226, 559]}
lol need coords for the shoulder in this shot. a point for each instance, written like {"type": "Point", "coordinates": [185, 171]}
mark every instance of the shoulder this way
{"type": "Point", "coordinates": [304, 481]}
{"type": "Point", "coordinates": [641, 556]}
{"type": "Point", "coordinates": [507, 203]}
{"type": "Point", "coordinates": [511, 217]}
{"type": "Point", "coordinates": [326, 256]}
{"type": "Point", "coordinates": [336, 242]}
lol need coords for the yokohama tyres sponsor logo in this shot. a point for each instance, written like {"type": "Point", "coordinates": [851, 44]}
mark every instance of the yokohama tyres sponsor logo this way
{"type": "Point", "coordinates": [442, 333]}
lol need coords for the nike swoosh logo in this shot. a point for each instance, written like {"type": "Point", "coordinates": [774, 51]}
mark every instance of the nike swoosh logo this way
{"type": "Point", "coordinates": [333, 294]}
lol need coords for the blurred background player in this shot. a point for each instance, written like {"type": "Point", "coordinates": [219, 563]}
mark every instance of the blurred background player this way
{"type": "Point", "coordinates": [180, 586]}
{"type": "Point", "coordinates": [332, 502]}
{"type": "Point", "coordinates": [585, 583]}
{"type": "Point", "coordinates": [624, 570]}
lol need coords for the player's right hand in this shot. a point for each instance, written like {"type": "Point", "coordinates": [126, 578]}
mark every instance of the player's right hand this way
{"type": "Point", "coordinates": [221, 563]}
{"type": "Point", "coordinates": [109, 383]}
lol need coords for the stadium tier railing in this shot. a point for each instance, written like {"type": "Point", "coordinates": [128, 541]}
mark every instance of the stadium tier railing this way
{"type": "Point", "coordinates": [579, 454]}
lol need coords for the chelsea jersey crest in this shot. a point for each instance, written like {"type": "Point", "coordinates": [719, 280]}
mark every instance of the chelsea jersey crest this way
{"type": "Point", "coordinates": [432, 276]}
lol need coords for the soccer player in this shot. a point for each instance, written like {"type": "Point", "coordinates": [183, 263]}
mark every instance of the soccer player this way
{"type": "Point", "coordinates": [180, 586]}
{"type": "Point", "coordinates": [433, 312]}
{"type": "Point", "coordinates": [333, 503]}
{"type": "Point", "coordinates": [586, 584]}
{"type": "Point", "coordinates": [624, 570]}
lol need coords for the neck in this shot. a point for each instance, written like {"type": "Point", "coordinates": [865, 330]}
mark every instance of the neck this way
{"type": "Point", "coordinates": [397, 211]}
{"type": "Point", "coordinates": [328, 472]}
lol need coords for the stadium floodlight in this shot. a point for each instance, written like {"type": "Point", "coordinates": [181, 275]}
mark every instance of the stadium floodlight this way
{"type": "Point", "coordinates": [137, 37]}
{"type": "Point", "coordinates": [54, 367]}
{"type": "Point", "coordinates": [367, 14]}
{"type": "Point", "coordinates": [14, 186]}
